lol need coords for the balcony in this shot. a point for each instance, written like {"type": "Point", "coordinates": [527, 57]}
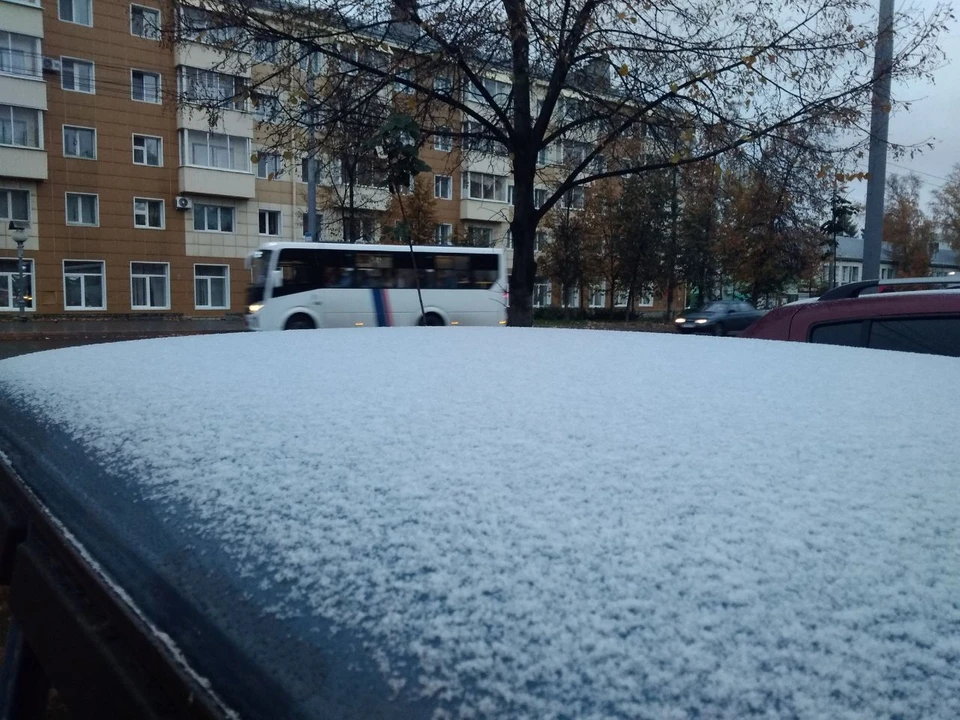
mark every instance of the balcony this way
{"type": "Point", "coordinates": [485, 211]}
{"type": "Point", "coordinates": [23, 91]}
{"type": "Point", "coordinates": [22, 18]}
{"type": "Point", "coordinates": [206, 57]}
{"type": "Point", "coordinates": [23, 163]}
{"type": "Point", "coordinates": [224, 183]}
{"type": "Point", "coordinates": [229, 122]}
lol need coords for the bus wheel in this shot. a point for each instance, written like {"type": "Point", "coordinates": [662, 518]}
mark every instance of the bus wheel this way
{"type": "Point", "coordinates": [299, 322]}
{"type": "Point", "coordinates": [431, 319]}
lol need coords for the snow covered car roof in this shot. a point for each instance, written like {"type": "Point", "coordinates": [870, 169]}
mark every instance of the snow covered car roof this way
{"type": "Point", "coordinates": [509, 523]}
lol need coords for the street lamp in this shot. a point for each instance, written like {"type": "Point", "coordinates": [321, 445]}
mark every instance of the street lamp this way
{"type": "Point", "coordinates": [19, 228]}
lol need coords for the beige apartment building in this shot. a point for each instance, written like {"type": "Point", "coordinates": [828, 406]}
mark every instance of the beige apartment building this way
{"type": "Point", "coordinates": [137, 205]}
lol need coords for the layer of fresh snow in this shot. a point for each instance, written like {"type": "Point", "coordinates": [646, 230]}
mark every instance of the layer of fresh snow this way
{"type": "Point", "coordinates": [563, 524]}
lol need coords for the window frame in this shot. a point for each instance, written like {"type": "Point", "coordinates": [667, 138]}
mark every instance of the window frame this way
{"type": "Point", "coordinates": [149, 292]}
{"type": "Point", "coordinates": [73, 10]}
{"type": "Point", "coordinates": [221, 207]}
{"type": "Point", "coordinates": [279, 166]}
{"type": "Point", "coordinates": [38, 114]}
{"type": "Point", "coordinates": [186, 151]}
{"type": "Point", "coordinates": [63, 141]}
{"type": "Point", "coordinates": [30, 306]}
{"type": "Point", "coordinates": [83, 286]}
{"type": "Point", "coordinates": [438, 182]}
{"type": "Point", "coordinates": [8, 191]}
{"type": "Point", "coordinates": [133, 144]}
{"type": "Point", "coordinates": [208, 278]}
{"type": "Point", "coordinates": [158, 25]}
{"type": "Point", "coordinates": [93, 75]}
{"type": "Point", "coordinates": [269, 212]}
{"type": "Point", "coordinates": [163, 213]}
{"type": "Point", "coordinates": [159, 76]}
{"type": "Point", "coordinates": [442, 237]}
{"type": "Point", "coordinates": [443, 143]}
{"type": "Point", "coordinates": [96, 204]}
{"type": "Point", "coordinates": [35, 55]}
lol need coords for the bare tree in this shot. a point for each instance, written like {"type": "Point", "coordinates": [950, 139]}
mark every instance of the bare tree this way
{"type": "Point", "coordinates": [558, 87]}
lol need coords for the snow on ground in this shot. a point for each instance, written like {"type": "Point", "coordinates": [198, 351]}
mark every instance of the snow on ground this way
{"type": "Point", "coordinates": [556, 523]}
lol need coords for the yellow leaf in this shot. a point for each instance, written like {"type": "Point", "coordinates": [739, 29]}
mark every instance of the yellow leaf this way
{"type": "Point", "coordinates": [623, 70]}
{"type": "Point", "coordinates": [621, 16]}
{"type": "Point", "coordinates": [861, 44]}
{"type": "Point", "coordinates": [866, 176]}
{"type": "Point", "coordinates": [255, 158]}
{"type": "Point", "coordinates": [675, 158]}
{"type": "Point", "coordinates": [288, 155]}
{"type": "Point", "coordinates": [849, 28]}
{"type": "Point", "coordinates": [673, 87]}
{"type": "Point", "coordinates": [838, 177]}
{"type": "Point", "coordinates": [821, 175]}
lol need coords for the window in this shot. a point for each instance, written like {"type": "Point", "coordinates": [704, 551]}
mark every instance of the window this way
{"type": "Point", "coordinates": [147, 150]}
{"type": "Point", "coordinates": [571, 297]}
{"type": "Point", "coordinates": [543, 156]}
{"type": "Point", "coordinates": [540, 241]}
{"type": "Point", "coordinates": [211, 286]}
{"type": "Point", "coordinates": [206, 86]}
{"type": "Point", "coordinates": [508, 240]}
{"type": "Point", "coordinates": [621, 298]}
{"type": "Point", "coordinates": [932, 335]}
{"type": "Point", "coordinates": [887, 273]}
{"type": "Point", "coordinates": [148, 213]}
{"type": "Point", "coordinates": [479, 236]}
{"type": "Point", "coordinates": [854, 274]}
{"type": "Point", "coordinates": [573, 198]}
{"type": "Point", "coordinates": [145, 86]}
{"type": "Point", "coordinates": [9, 279]}
{"type": "Point", "coordinates": [499, 90]}
{"type": "Point", "coordinates": [82, 209]}
{"type": "Point", "coordinates": [400, 87]}
{"type": "Point", "coordinates": [542, 296]}
{"type": "Point", "coordinates": [15, 205]}
{"type": "Point", "coordinates": [574, 152]}
{"type": "Point", "coordinates": [145, 22]}
{"type": "Point", "coordinates": [539, 197]}
{"type": "Point", "coordinates": [305, 223]}
{"type": "Point", "coordinates": [77, 75]}
{"type": "Point", "coordinates": [83, 283]}
{"type": "Point", "coordinates": [510, 195]}
{"type": "Point", "coordinates": [475, 137]}
{"type": "Point", "coordinates": [77, 11]}
{"type": "Point", "coordinates": [266, 108]}
{"type": "Point", "coordinates": [362, 227]}
{"type": "Point", "coordinates": [148, 285]}
{"type": "Point", "coordinates": [305, 170]}
{"type": "Point", "coordinates": [845, 274]}
{"type": "Point", "coordinates": [844, 333]}
{"type": "Point", "coordinates": [443, 143]}
{"type": "Point", "coordinates": [212, 150]}
{"type": "Point", "coordinates": [441, 83]}
{"type": "Point", "coordinates": [644, 296]}
{"type": "Point", "coordinates": [19, 54]}
{"type": "Point", "coordinates": [481, 186]}
{"type": "Point", "coordinates": [443, 234]}
{"type": "Point", "coordinates": [79, 142]}
{"type": "Point", "coordinates": [213, 218]}
{"type": "Point", "coordinates": [443, 187]}
{"type": "Point", "coordinates": [270, 222]}
{"type": "Point", "coordinates": [269, 166]}
{"type": "Point", "coordinates": [598, 296]}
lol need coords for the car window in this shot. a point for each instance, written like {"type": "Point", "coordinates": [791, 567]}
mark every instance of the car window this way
{"type": "Point", "coordinates": [744, 307]}
{"type": "Point", "coordinates": [933, 335]}
{"type": "Point", "coordinates": [843, 333]}
{"type": "Point", "coordinates": [715, 307]}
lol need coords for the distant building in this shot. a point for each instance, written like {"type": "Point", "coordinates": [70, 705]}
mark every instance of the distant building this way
{"type": "Point", "coordinates": [849, 262]}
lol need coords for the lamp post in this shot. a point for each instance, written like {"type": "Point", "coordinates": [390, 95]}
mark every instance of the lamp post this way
{"type": "Point", "coordinates": [19, 229]}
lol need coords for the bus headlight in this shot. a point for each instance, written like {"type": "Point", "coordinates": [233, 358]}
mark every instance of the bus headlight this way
{"type": "Point", "coordinates": [255, 308]}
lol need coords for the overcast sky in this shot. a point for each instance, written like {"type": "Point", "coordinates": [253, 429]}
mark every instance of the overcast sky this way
{"type": "Point", "coordinates": [934, 114]}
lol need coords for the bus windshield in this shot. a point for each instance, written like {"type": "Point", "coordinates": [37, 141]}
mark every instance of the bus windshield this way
{"type": "Point", "coordinates": [259, 269]}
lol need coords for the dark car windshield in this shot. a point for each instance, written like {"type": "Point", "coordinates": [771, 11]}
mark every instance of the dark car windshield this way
{"type": "Point", "coordinates": [714, 307]}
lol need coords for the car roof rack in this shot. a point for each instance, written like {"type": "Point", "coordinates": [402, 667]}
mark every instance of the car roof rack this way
{"type": "Point", "coordinates": [852, 290]}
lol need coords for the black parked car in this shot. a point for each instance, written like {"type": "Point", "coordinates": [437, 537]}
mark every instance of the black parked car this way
{"type": "Point", "coordinates": [718, 317]}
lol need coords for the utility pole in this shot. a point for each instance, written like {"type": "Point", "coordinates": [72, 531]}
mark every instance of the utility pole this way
{"type": "Point", "coordinates": [312, 153]}
{"type": "Point", "coordinates": [20, 237]}
{"type": "Point", "coordinates": [879, 132]}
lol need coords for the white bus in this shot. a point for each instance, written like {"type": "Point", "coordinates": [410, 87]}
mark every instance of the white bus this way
{"type": "Point", "coordinates": [298, 286]}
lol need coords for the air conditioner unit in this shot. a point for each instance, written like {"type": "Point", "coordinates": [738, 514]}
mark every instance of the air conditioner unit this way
{"type": "Point", "coordinates": [184, 203]}
{"type": "Point", "coordinates": [51, 64]}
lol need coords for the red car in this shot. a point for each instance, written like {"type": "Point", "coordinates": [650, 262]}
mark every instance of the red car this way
{"type": "Point", "coordinates": [884, 317]}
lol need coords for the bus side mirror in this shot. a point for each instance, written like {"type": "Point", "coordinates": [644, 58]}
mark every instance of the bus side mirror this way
{"type": "Point", "coordinates": [277, 278]}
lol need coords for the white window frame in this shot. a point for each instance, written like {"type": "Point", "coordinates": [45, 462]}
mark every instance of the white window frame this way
{"type": "Point", "coordinates": [269, 212]}
{"type": "Point", "coordinates": [186, 151]}
{"type": "Point", "coordinates": [466, 183]}
{"type": "Point", "coordinates": [8, 192]}
{"type": "Point", "coordinates": [643, 297]}
{"type": "Point", "coordinates": [438, 182]}
{"type": "Point", "coordinates": [31, 305]}
{"type": "Point", "coordinates": [598, 292]}
{"type": "Point", "coordinates": [93, 75]}
{"type": "Point", "coordinates": [443, 143]}
{"type": "Point", "coordinates": [83, 285]}
{"type": "Point", "coordinates": [208, 278]}
{"type": "Point", "coordinates": [163, 213]}
{"type": "Point", "coordinates": [547, 293]}
{"type": "Point", "coordinates": [63, 140]}
{"type": "Point", "coordinates": [279, 166]}
{"type": "Point", "coordinates": [159, 100]}
{"type": "Point", "coordinates": [96, 204]}
{"type": "Point", "coordinates": [149, 292]}
{"type": "Point", "coordinates": [151, 9]}
{"type": "Point", "coordinates": [574, 296]}
{"type": "Point", "coordinates": [36, 71]}
{"type": "Point", "coordinates": [133, 141]}
{"type": "Point", "coordinates": [621, 298]}
{"type": "Point", "coordinates": [486, 231]}
{"type": "Point", "coordinates": [443, 234]}
{"type": "Point", "coordinates": [73, 7]}
{"type": "Point", "coordinates": [232, 208]}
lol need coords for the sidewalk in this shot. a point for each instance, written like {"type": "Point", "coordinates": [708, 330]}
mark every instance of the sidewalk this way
{"type": "Point", "coordinates": [60, 328]}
